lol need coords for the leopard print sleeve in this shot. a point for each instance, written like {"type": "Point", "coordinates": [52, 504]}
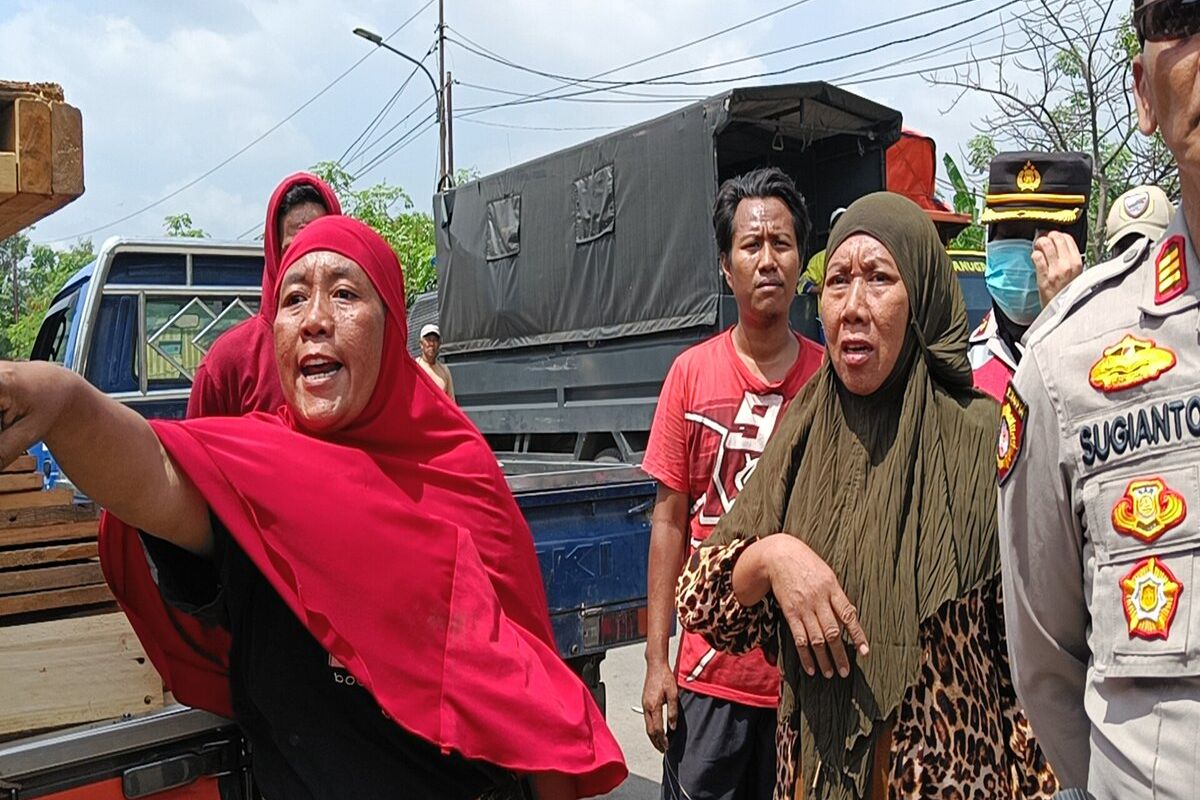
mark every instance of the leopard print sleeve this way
{"type": "Point", "coordinates": [708, 606]}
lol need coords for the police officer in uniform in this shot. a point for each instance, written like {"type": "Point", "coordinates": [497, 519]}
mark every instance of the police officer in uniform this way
{"type": "Point", "coordinates": [1099, 468]}
{"type": "Point", "coordinates": [1036, 213]}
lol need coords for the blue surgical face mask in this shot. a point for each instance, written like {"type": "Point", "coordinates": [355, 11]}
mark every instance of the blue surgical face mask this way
{"type": "Point", "coordinates": [1012, 280]}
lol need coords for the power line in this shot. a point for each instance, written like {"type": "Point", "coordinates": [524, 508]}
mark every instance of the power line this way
{"type": "Point", "coordinates": [622, 92]}
{"type": "Point", "coordinates": [663, 80]}
{"type": "Point", "coordinates": [642, 98]}
{"type": "Point", "coordinates": [646, 59]}
{"type": "Point", "coordinates": [771, 73]}
{"type": "Point", "coordinates": [964, 43]}
{"type": "Point", "coordinates": [399, 144]}
{"type": "Point", "coordinates": [972, 61]}
{"type": "Point", "coordinates": [245, 148]}
{"type": "Point", "coordinates": [383, 112]}
{"type": "Point", "coordinates": [367, 148]}
{"type": "Point", "coordinates": [545, 127]}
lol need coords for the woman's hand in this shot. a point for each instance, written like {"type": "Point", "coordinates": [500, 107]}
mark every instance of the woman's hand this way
{"type": "Point", "coordinates": [810, 598]}
{"type": "Point", "coordinates": [107, 450]}
{"type": "Point", "coordinates": [34, 396]}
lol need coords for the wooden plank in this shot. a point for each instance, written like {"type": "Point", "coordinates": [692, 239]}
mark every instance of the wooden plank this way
{"type": "Point", "coordinates": [72, 671]}
{"type": "Point", "coordinates": [48, 554]}
{"type": "Point", "coordinates": [21, 482]}
{"type": "Point", "coordinates": [46, 601]}
{"type": "Point", "coordinates": [35, 146]}
{"type": "Point", "coordinates": [48, 515]}
{"type": "Point", "coordinates": [8, 173]}
{"type": "Point", "coordinates": [52, 497]}
{"type": "Point", "coordinates": [41, 534]}
{"type": "Point", "coordinates": [67, 134]}
{"type": "Point", "coordinates": [25, 463]}
{"type": "Point", "coordinates": [24, 209]}
{"type": "Point", "coordinates": [40, 579]}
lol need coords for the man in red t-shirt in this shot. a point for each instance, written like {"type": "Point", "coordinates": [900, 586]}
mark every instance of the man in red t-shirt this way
{"type": "Point", "coordinates": [720, 402]}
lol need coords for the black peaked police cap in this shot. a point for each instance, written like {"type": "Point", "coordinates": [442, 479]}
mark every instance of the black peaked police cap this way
{"type": "Point", "coordinates": [1038, 187]}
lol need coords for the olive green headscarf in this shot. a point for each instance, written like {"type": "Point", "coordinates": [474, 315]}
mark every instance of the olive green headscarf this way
{"type": "Point", "coordinates": [895, 491]}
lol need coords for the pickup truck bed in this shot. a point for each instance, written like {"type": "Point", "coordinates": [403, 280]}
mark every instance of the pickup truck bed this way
{"type": "Point", "coordinates": [591, 529]}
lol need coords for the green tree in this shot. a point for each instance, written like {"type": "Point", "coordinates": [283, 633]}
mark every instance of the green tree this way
{"type": "Point", "coordinates": [1061, 83]}
{"type": "Point", "coordinates": [390, 211]}
{"type": "Point", "coordinates": [966, 201]}
{"type": "Point", "coordinates": [180, 225]}
{"type": "Point", "coordinates": [40, 271]}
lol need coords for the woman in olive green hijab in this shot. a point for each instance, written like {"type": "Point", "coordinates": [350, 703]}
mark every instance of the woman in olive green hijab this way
{"type": "Point", "coordinates": [881, 475]}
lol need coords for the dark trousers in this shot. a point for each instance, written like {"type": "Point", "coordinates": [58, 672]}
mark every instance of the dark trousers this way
{"type": "Point", "coordinates": [719, 750]}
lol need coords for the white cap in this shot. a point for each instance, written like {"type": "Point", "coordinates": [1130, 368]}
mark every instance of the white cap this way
{"type": "Point", "coordinates": [1144, 210]}
{"type": "Point", "coordinates": [430, 327]}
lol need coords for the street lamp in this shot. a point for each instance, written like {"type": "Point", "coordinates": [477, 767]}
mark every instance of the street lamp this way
{"type": "Point", "coordinates": [378, 41]}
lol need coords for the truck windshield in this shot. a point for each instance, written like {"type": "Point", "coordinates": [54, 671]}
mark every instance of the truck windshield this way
{"type": "Point", "coordinates": [51, 341]}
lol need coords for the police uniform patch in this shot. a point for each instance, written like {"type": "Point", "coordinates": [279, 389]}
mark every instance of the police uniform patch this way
{"type": "Point", "coordinates": [1029, 179]}
{"type": "Point", "coordinates": [1170, 270]}
{"type": "Point", "coordinates": [1148, 509]}
{"type": "Point", "coordinates": [1150, 597]}
{"type": "Point", "coordinates": [1128, 363]}
{"type": "Point", "coordinates": [1012, 433]}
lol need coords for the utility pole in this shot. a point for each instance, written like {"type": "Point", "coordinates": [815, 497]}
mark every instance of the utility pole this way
{"type": "Point", "coordinates": [442, 174]}
{"type": "Point", "coordinates": [450, 126]}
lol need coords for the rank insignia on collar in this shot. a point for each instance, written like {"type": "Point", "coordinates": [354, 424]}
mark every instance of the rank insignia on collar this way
{"type": "Point", "coordinates": [1170, 270]}
{"type": "Point", "coordinates": [1012, 433]}
{"type": "Point", "coordinates": [1148, 509]}
{"type": "Point", "coordinates": [1128, 363]}
{"type": "Point", "coordinates": [1150, 596]}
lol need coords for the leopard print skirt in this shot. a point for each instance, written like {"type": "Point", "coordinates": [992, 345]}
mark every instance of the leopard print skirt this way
{"type": "Point", "coordinates": [959, 734]}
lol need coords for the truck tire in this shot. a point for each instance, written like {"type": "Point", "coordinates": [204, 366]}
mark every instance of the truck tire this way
{"type": "Point", "coordinates": [588, 670]}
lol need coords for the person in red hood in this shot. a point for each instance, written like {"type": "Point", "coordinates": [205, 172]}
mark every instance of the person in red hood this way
{"type": "Point", "coordinates": [238, 374]}
{"type": "Point", "coordinates": [349, 577]}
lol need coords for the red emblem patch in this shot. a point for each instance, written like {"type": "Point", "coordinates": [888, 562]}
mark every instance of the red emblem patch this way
{"type": "Point", "coordinates": [1170, 270]}
{"type": "Point", "coordinates": [1012, 433]}
{"type": "Point", "coordinates": [1150, 596]}
{"type": "Point", "coordinates": [1148, 509]}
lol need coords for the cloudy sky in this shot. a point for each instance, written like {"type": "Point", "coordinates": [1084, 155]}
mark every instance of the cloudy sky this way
{"type": "Point", "coordinates": [169, 91]}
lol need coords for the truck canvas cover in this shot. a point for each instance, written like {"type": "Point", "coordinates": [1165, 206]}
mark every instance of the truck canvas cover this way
{"type": "Point", "coordinates": [602, 240]}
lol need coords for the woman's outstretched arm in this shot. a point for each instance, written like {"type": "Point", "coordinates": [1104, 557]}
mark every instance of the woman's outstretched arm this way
{"type": "Point", "coordinates": [108, 450]}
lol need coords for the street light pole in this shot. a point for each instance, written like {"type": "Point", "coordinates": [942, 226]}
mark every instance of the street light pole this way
{"type": "Point", "coordinates": [442, 95]}
{"type": "Point", "coordinates": [377, 40]}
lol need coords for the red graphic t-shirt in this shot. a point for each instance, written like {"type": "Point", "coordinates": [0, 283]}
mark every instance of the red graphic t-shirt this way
{"type": "Point", "coordinates": [713, 420]}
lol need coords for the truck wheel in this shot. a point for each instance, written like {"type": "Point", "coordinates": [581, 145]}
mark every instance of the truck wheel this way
{"type": "Point", "coordinates": [609, 455]}
{"type": "Point", "coordinates": [588, 670]}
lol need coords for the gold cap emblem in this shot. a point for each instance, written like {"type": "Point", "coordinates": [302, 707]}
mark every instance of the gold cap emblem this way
{"type": "Point", "coordinates": [1029, 179]}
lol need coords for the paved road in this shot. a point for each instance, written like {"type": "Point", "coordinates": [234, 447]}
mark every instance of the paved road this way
{"type": "Point", "coordinates": [623, 670]}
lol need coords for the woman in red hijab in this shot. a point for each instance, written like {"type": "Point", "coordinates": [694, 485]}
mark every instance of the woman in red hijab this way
{"type": "Point", "coordinates": [350, 578]}
{"type": "Point", "coordinates": [238, 374]}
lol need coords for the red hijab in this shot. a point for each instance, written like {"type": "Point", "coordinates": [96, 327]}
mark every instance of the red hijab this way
{"type": "Point", "coordinates": [404, 512]}
{"type": "Point", "coordinates": [238, 374]}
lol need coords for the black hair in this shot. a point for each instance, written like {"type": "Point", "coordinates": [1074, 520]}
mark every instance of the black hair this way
{"type": "Point", "coordinates": [298, 195]}
{"type": "Point", "coordinates": [761, 182]}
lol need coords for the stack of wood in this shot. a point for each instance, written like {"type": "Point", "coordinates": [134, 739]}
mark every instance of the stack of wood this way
{"type": "Point", "coordinates": [41, 153]}
{"type": "Point", "coordinates": [48, 557]}
{"type": "Point", "coordinates": [67, 654]}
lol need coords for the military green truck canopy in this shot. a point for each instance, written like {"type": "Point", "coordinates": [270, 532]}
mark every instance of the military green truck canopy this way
{"type": "Point", "coordinates": [613, 237]}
